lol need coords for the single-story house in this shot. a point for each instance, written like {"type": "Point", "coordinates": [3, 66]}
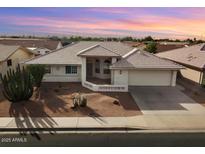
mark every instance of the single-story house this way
{"type": "Point", "coordinates": [193, 58]}
{"type": "Point", "coordinates": [37, 46]}
{"type": "Point", "coordinates": [107, 66]}
{"type": "Point", "coordinates": [11, 56]}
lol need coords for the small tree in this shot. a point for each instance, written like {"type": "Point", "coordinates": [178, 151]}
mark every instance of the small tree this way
{"type": "Point", "coordinates": [151, 47]}
{"type": "Point", "coordinates": [148, 38]}
{"type": "Point", "coordinates": [37, 72]}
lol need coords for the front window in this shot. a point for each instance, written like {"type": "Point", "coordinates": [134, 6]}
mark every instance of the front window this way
{"type": "Point", "coordinates": [9, 62]}
{"type": "Point", "coordinates": [97, 66]}
{"type": "Point", "coordinates": [48, 70]}
{"type": "Point", "coordinates": [106, 66]}
{"type": "Point", "coordinates": [71, 69]}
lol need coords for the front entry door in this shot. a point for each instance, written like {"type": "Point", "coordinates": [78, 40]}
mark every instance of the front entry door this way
{"type": "Point", "coordinates": [89, 69]}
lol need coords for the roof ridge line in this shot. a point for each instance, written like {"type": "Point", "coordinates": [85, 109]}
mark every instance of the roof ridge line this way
{"type": "Point", "coordinates": [17, 47]}
{"type": "Point", "coordinates": [110, 50]}
{"type": "Point", "coordinates": [130, 53]}
{"type": "Point", "coordinates": [124, 59]}
{"type": "Point", "coordinates": [84, 50]}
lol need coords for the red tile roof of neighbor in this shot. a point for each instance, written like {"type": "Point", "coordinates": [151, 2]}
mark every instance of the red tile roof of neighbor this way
{"type": "Point", "coordinates": [32, 43]}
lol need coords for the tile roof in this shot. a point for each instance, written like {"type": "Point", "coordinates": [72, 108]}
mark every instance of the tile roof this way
{"type": "Point", "coordinates": [99, 51]}
{"type": "Point", "coordinates": [117, 47]}
{"type": "Point", "coordinates": [144, 60]}
{"type": "Point", "coordinates": [6, 51]}
{"type": "Point", "coordinates": [32, 43]}
{"type": "Point", "coordinates": [69, 54]}
{"type": "Point", "coordinates": [192, 56]}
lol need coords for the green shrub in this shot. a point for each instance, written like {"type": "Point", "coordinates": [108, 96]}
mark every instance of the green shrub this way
{"type": "Point", "coordinates": [151, 47]}
{"type": "Point", "coordinates": [37, 72]}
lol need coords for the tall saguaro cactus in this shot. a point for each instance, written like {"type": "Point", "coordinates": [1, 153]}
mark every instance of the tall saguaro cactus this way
{"type": "Point", "coordinates": [17, 84]}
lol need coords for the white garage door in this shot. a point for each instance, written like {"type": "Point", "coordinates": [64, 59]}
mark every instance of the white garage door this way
{"type": "Point", "coordinates": [149, 78]}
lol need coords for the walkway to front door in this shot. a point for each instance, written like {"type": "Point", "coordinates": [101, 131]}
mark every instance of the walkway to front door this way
{"type": "Point", "coordinates": [98, 81]}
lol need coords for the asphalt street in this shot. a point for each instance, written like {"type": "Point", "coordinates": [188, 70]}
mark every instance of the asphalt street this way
{"type": "Point", "coordinates": [103, 139]}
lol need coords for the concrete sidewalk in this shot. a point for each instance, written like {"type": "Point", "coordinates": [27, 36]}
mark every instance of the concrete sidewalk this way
{"type": "Point", "coordinates": [144, 122]}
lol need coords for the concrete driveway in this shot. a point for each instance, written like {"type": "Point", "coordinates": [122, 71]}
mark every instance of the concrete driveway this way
{"type": "Point", "coordinates": [165, 100]}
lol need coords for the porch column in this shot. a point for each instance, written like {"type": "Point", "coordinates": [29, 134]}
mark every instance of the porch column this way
{"type": "Point", "coordinates": [83, 74]}
{"type": "Point", "coordinates": [114, 60]}
{"type": "Point", "coordinates": [112, 76]}
{"type": "Point", "coordinates": [101, 66]}
{"type": "Point", "coordinates": [173, 79]}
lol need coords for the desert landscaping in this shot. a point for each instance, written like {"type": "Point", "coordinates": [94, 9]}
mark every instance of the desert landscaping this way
{"type": "Point", "coordinates": [55, 100]}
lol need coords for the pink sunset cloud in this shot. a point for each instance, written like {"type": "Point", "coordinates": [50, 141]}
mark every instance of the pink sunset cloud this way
{"type": "Point", "coordinates": [118, 21]}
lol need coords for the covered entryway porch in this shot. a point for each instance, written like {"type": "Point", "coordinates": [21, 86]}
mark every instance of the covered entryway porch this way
{"type": "Point", "coordinates": [97, 70]}
{"type": "Point", "coordinates": [96, 74]}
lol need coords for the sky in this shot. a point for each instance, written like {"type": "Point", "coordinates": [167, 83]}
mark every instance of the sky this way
{"type": "Point", "coordinates": [174, 23]}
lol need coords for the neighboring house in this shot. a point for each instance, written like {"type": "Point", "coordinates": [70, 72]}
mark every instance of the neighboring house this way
{"type": "Point", "coordinates": [10, 56]}
{"type": "Point", "coordinates": [161, 46]}
{"type": "Point", "coordinates": [193, 58]}
{"type": "Point", "coordinates": [37, 46]}
{"type": "Point", "coordinates": [40, 51]}
{"type": "Point", "coordinates": [118, 64]}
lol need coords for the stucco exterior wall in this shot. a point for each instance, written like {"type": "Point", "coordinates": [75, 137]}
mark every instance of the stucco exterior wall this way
{"type": "Point", "coordinates": [191, 75]}
{"type": "Point", "coordinates": [58, 74]}
{"type": "Point", "coordinates": [16, 57]}
{"type": "Point", "coordinates": [120, 77]}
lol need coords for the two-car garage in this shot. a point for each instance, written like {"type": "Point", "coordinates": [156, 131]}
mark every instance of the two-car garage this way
{"type": "Point", "coordinates": [144, 77]}
{"type": "Point", "coordinates": [151, 78]}
{"type": "Point", "coordinates": [144, 69]}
